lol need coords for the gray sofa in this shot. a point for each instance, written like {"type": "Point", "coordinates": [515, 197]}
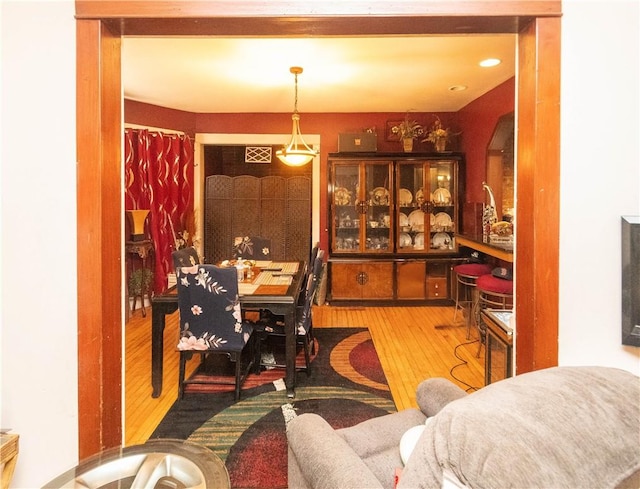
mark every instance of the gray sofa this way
{"type": "Point", "coordinates": [563, 427]}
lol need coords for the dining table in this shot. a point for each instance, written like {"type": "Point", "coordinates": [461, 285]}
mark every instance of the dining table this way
{"type": "Point", "coordinates": [269, 285]}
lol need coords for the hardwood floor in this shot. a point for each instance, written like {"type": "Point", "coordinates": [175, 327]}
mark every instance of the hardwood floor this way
{"type": "Point", "coordinates": [414, 343]}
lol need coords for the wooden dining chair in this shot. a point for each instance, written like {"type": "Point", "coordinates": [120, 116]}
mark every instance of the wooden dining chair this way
{"type": "Point", "coordinates": [273, 326]}
{"type": "Point", "coordinates": [211, 324]}
{"type": "Point", "coordinates": [312, 259]}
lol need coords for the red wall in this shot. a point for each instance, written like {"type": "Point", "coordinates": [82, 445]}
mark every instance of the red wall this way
{"type": "Point", "coordinates": [161, 117]}
{"type": "Point", "coordinates": [476, 121]}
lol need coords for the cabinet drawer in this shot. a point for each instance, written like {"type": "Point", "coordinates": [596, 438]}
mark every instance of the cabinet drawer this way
{"type": "Point", "coordinates": [357, 280]}
{"type": "Point", "coordinates": [437, 288]}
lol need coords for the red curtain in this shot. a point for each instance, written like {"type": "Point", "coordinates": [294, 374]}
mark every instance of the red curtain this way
{"type": "Point", "coordinates": [159, 177]}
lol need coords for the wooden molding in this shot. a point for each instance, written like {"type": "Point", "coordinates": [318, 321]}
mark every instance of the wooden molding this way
{"type": "Point", "coordinates": [99, 237]}
{"type": "Point", "coordinates": [100, 23]}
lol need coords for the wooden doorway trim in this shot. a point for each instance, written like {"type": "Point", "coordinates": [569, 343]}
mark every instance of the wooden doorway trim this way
{"type": "Point", "coordinates": [100, 23]}
{"type": "Point", "coordinates": [99, 214]}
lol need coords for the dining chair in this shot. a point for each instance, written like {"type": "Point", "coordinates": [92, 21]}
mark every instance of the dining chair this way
{"type": "Point", "coordinates": [252, 247]}
{"type": "Point", "coordinates": [312, 259]}
{"type": "Point", "coordinates": [211, 324]}
{"type": "Point", "coordinates": [273, 326]}
{"type": "Point", "coordinates": [185, 257]}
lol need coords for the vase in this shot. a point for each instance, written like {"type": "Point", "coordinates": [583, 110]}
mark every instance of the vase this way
{"type": "Point", "coordinates": [440, 144]}
{"type": "Point", "coordinates": [407, 145]}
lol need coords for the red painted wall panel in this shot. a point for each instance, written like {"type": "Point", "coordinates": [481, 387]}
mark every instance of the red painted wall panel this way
{"type": "Point", "coordinates": [477, 121]}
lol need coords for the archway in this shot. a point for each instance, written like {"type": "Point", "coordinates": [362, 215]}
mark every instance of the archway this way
{"type": "Point", "coordinates": [99, 27]}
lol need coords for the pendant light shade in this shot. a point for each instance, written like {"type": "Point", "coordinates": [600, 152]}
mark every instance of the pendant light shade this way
{"type": "Point", "coordinates": [297, 152]}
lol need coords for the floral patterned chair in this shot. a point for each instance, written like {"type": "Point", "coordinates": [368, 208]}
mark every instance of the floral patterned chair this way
{"type": "Point", "coordinates": [211, 323]}
{"type": "Point", "coordinates": [252, 247]}
{"type": "Point", "coordinates": [185, 257]}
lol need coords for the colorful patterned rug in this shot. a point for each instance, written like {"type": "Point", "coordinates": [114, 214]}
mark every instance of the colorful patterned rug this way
{"type": "Point", "coordinates": [346, 386]}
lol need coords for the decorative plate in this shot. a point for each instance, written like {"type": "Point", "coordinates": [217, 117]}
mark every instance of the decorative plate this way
{"type": "Point", "coordinates": [342, 196]}
{"type": "Point", "coordinates": [442, 196]}
{"type": "Point", "coordinates": [405, 197]}
{"type": "Point", "coordinates": [440, 240]}
{"type": "Point", "coordinates": [418, 241]}
{"type": "Point", "coordinates": [404, 220]}
{"type": "Point", "coordinates": [416, 220]}
{"type": "Point", "coordinates": [420, 196]}
{"type": "Point", "coordinates": [405, 240]}
{"type": "Point", "coordinates": [380, 196]}
{"type": "Point", "coordinates": [442, 219]}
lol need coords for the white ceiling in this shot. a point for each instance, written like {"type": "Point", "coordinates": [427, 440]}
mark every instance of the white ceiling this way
{"type": "Point", "coordinates": [341, 74]}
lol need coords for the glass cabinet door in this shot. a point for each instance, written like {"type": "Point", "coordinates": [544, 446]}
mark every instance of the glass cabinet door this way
{"type": "Point", "coordinates": [346, 216]}
{"type": "Point", "coordinates": [441, 181]}
{"type": "Point", "coordinates": [376, 209]}
{"type": "Point", "coordinates": [426, 211]}
{"type": "Point", "coordinates": [362, 200]}
{"type": "Point", "coordinates": [413, 216]}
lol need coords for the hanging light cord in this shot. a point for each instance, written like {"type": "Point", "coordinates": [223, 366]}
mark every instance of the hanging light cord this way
{"type": "Point", "coordinates": [295, 98]}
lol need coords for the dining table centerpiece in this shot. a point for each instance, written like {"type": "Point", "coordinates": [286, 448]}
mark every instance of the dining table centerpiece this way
{"type": "Point", "coordinates": [407, 130]}
{"type": "Point", "coordinates": [438, 136]}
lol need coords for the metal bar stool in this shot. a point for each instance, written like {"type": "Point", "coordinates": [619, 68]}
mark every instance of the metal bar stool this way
{"type": "Point", "coordinates": [495, 293]}
{"type": "Point", "coordinates": [466, 276]}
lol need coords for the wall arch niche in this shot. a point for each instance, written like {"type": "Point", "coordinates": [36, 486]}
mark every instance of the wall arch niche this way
{"type": "Point", "coordinates": [99, 27]}
{"type": "Point", "coordinates": [501, 166]}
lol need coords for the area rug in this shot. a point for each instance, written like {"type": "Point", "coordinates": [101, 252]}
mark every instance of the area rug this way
{"type": "Point", "coordinates": [346, 386]}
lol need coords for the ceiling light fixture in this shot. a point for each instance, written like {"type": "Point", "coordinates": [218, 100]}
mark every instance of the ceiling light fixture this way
{"type": "Point", "coordinates": [297, 152]}
{"type": "Point", "coordinates": [457, 88]}
{"type": "Point", "coordinates": [489, 62]}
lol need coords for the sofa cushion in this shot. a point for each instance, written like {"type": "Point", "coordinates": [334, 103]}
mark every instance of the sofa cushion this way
{"type": "Point", "coordinates": [377, 441]}
{"type": "Point", "coordinates": [560, 427]}
{"type": "Point", "coordinates": [320, 458]}
{"type": "Point", "coordinates": [435, 393]}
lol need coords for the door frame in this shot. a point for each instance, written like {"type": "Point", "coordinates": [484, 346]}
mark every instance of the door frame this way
{"type": "Point", "coordinates": [99, 27]}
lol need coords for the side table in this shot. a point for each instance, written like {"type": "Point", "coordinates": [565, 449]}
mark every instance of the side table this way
{"type": "Point", "coordinates": [498, 356]}
{"type": "Point", "coordinates": [8, 457]}
{"type": "Point", "coordinates": [142, 250]}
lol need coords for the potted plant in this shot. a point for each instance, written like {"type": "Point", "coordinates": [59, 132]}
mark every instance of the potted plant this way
{"type": "Point", "coordinates": [407, 131]}
{"type": "Point", "coordinates": [140, 282]}
{"type": "Point", "coordinates": [438, 136]}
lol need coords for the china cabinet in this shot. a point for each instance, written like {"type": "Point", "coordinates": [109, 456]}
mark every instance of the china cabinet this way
{"type": "Point", "coordinates": [393, 220]}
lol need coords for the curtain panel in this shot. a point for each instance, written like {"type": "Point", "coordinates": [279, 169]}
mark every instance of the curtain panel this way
{"type": "Point", "coordinates": [159, 177]}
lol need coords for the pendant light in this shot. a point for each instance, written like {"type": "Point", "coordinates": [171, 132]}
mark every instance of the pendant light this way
{"type": "Point", "coordinates": [297, 152]}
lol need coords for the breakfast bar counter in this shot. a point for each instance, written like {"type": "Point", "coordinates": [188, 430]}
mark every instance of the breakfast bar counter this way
{"type": "Point", "coordinates": [497, 250]}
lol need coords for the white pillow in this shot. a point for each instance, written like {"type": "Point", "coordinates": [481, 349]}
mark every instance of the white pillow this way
{"type": "Point", "coordinates": [409, 440]}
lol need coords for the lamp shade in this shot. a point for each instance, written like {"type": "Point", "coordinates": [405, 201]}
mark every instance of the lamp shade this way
{"type": "Point", "coordinates": [297, 152]}
{"type": "Point", "coordinates": [137, 219]}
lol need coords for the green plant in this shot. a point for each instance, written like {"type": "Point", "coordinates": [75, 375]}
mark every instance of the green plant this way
{"type": "Point", "coordinates": [140, 281]}
{"type": "Point", "coordinates": [407, 129]}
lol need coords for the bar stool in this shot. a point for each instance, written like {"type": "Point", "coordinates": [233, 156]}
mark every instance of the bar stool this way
{"type": "Point", "coordinates": [466, 276]}
{"type": "Point", "coordinates": [493, 292]}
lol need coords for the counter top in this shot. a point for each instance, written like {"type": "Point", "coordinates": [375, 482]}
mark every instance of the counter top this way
{"type": "Point", "coordinates": [497, 250]}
